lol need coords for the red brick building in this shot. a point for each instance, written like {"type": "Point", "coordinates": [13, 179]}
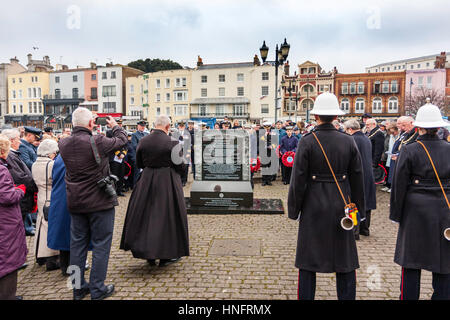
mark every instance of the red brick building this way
{"type": "Point", "coordinates": [380, 94]}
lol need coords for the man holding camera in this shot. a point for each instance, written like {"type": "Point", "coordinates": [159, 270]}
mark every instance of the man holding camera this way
{"type": "Point", "coordinates": [91, 199]}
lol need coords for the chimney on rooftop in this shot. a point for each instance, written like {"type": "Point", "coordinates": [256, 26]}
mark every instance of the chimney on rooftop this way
{"type": "Point", "coordinates": [199, 61]}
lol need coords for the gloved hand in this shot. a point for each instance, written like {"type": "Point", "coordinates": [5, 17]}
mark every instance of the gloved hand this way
{"type": "Point", "coordinates": [21, 187]}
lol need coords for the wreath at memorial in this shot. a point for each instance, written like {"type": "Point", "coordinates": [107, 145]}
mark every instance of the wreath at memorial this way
{"type": "Point", "coordinates": [129, 169]}
{"type": "Point", "coordinates": [288, 159]}
{"type": "Point", "coordinates": [255, 164]}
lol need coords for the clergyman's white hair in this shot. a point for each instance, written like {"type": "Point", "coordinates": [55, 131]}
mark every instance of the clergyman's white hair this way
{"type": "Point", "coordinates": [11, 133]}
{"type": "Point", "coordinates": [352, 124]}
{"type": "Point", "coordinates": [47, 147]}
{"type": "Point", "coordinates": [162, 121]}
{"type": "Point", "coordinates": [371, 121]}
{"type": "Point", "coordinates": [81, 117]}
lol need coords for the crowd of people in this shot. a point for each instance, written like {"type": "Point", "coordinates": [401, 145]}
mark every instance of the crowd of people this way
{"type": "Point", "coordinates": [63, 189]}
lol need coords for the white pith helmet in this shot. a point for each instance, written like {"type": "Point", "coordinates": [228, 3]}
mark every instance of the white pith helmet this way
{"type": "Point", "coordinates": [327, 104]}
{"type": "Point", "coordinates": [429, 116]}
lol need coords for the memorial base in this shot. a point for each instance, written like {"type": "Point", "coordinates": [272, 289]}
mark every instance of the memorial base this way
{"type": "Point", "coordinates": [260, 206]}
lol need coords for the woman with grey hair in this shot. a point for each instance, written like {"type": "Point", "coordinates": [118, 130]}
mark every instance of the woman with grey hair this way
{"type": "Point", "coordinates": [42, 175]}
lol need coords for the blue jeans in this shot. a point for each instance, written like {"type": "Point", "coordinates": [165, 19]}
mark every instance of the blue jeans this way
{"type": "Point", "coordinates": [97, 228]}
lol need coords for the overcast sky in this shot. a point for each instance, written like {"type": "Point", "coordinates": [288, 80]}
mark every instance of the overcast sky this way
{"type": "Point", "coordinates": [350, 35]}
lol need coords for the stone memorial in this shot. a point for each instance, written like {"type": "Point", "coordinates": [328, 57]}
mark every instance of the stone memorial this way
{"type": "Point", "coordinates": [222, 176]}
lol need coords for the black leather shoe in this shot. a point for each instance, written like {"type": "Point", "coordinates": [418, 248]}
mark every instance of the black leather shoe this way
{"type": "Point", "coordinates": [269, 183]}
{"type": "Point", "coordinates": [285, 183]}
{"type": "Point", "coordinates": [264, 184]}
{"type": "Point", "coordinates": [109, 291]}
{"type": "Point", "coordinates": [23, 266]}
{"type": "Point", "coordinates": [356, 236]}
{"type": "Point", "coordinates": [120, 194]}
{"type": "Point", "coordinates": [29, 233]}
{"type": "Point", "coordinates": [151, 262]}
{"type": "Point", "coordinates": [52, 265]}
{"type": "Point", "coordinates": [79, 294]}
{"type": "Point", "coordinates": [364, 233]}
{"type": "Point", "coordinates": [166, 262]}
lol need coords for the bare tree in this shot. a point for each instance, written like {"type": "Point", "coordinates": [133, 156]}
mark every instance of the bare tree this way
{"type": "Point", "coordinates": [419, 98]}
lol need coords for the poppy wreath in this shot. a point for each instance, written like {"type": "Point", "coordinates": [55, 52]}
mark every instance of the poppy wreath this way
{"type": "Point", "coordinates": [129, 169]}
{"type": "Point", "coordinates": [255, 164]}
{"type": "Point", "coordinates": [288, 159]}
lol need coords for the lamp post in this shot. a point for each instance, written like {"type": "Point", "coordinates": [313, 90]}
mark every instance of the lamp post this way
{"type": "Point", "coordinates": [410, 95]}
{"type": "Point", "coordinates": [280, 56]}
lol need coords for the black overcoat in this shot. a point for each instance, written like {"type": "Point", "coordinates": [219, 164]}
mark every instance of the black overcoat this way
{"type": "Point", "coordinates": [376, 137]}
{"type": "Point", "coordinates": [323, 246]}
{"type": "Point", "coordinates": [365, 150]}
{"type": "Point", "coordinates": [156, 225]}
{"type": "Point", "coordinates": [418, 205]}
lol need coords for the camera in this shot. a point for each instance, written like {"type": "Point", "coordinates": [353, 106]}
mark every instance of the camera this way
{"type": "Point", "coordinates": [101, 121]}
{"type": "Point", "coordinates": [108, 185]}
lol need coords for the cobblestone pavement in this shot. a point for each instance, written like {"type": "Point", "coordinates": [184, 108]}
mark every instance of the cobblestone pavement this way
{"type": "Point", "coordinates": [268, 273]}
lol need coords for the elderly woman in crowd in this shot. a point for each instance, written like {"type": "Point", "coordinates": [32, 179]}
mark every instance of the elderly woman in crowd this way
{"type": "Point", "coordinates": [42, 175]}
{"type": "Point", "coordinates": [20, 174]}
{"type": "Point", "coordinates": [13, 253]}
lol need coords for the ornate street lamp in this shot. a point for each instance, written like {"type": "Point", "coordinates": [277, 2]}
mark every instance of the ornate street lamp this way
{"type": "Point", "coordinates": [280, 56]}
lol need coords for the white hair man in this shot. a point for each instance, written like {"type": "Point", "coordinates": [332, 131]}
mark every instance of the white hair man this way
{"type": "Point", "coordinates": [158, 199]}
{"type": "Point", "coordinates": [91, 198]}
{"type": "Point", "coordinates": [353, 127]}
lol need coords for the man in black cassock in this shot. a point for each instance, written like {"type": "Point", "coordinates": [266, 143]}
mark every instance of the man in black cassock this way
{"type": "Point", "coordinates": [156, 225]}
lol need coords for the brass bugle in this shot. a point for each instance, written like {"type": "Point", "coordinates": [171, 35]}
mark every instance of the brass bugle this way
{"type": "Point", "coordinates": [347, 223]}
{"type": "Point", "coordinates": [447, 234]}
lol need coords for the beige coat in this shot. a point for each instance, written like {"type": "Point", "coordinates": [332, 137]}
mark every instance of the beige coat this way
{"type": "Point", "coordinates": [40, 239]}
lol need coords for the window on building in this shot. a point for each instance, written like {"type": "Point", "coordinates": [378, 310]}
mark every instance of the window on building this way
{"type": "Point", "coordinates": [395, 67]}
{"type": "Point", "coordinates": [265, 76]}
{"type": "Point", "coordinates": [39, 92]}
{"type": "Point", "coordinates": [20, 108]}
{"type": "Point", "coordinates": [344, 88]}
{"type": "Point", "coordinates": [13, 80]}
{"type": "Point", "coordinates": [131, 100]}
{"type": "Point", "coordinates": [40, 107]}
{"type": "Point", "coordinates": [429, 82]}
{"type": "Point", "coordinates": [376, 70]}
{"type": "Point", "coordinates": [360, 87]}
{"type": "Point", "coordinates": [412, 66]}
{"type": "Point", "coordinates": [178, 82]}
{"type": "Point", "coordinates": [142, 100]}
{"type": "Point", "coordinates": [307, 104]}
{"type": "Point", "coordinates": [109, 91]}
{"type": "Point", "coordinates": [158, 97]}
{"type": "Point", "coordinates": [167, 111]}
{"type": "Point", "coordinates": [204, 92]}
{"type": "Point", "coordinates": [30, 107]}
{"type": "Point", "coordinates": [221, 78]}
{"type": "Point", "coordinates": [158, 111]}
{"type": "Point", "coordinates": [202, 110]}
{"type": "Point", "coordinates": [183, 82]}
{"type": "Point", "coordinates": [158, 83]}
{"type": "Point", "coordinates": [428, 64]}
{"type": "Point", "coordinates": [35, 107]}
{"type": "Point", "coordinates": [109, 107]}
{"type": "Point", "coordinates": [240, 91]}
{"type": "Point", "coordinates": [359, 105]}
{"type": "Point", "coordinates": [377, 105]}
{"type": "Point", "coordinates": [393, 105]}
{"type": "Point", "coordinates": [103, 75]}
{"type": "Point", "coordinates": [167, 83]}
{"type": "Point", "coordinates": [265, 90]}
{"type": "Point", "coordinates": [57, 93]}
{"type": "Point", "coordinates": [142, 88]}
{"type": "Point", "coordinates": [308, 88]}
{"type": "Point", "coordinates": [131, 88]}
{"type": "Point", "coordinates": [14, 94]}
{"type": "Point", "coordinates": [240, 77]}
{"type": "Point", "coordinates": [264, 108]}
{"type": "Point", "coordinates": [113, 74]}
{"type": "Point", "coordinates": [388, 68]}
{"type": "Point", "coordinates": [56, 79]}
{"type": "Point", "coordinates": [180, 109]}
{"type": "Point", "coordinates": [385, 86]}
{"type": "Point", "coordinates": [394, 86]}
{"type": "Point", "coordinates": [14, 108]}
{"type": "Point", "coordinates": [167, 96]}
{"type": "Point", "coordinates": [180, 95]}
{"type": "Point", "coordinates": [238, 110]}
{"type": "Point", "coordinates": [220, 110]}
{"type": "Point", "coordinates": [75, 78]}
{"type": "Point", "coordinates": [382, 69]}
{"type": "Point", "coordinates": [204, 79]}
{"type": "Point", "coordinates": [345, 105]}
{"type": "Point", "coordinates": [93, 77]}
{"type": "Point", "coordinates": [75, 93]}
{"type": "Point", "coordinates": [34, 93]}
{"type": "Point", "coordinates": [221, 92]}
{"type": "Point", "coordinates": [93, 93]}
{"type": "Point", "coordinates": [420, 82]}
{"type": "Point", "coordinates": [418, 66]}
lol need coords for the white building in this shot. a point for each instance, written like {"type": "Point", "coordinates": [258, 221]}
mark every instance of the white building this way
{"type": "Point", "coordinates": [13, 67]}
{"type": "Point", "coordinates": [243, 91]}
{"type": "Point", "coordinates": [419, 63]}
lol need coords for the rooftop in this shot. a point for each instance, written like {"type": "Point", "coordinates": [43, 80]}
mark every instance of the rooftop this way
{"type": "Point", "coordinates": [409, 60]}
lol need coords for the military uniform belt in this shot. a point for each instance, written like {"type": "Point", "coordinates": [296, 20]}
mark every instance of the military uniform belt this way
{"type": "Point", "coordinates": [325, 177]}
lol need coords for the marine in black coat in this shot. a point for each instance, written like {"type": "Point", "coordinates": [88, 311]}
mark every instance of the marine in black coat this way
{"type": "Point", "coordinates": [418, 205]}
{"type": "Point", "coordinates": [376, 137]}
{"type": "Point", "coordinates": [314, 199]}
{"type": "Point", "coordinates": [156, 225]}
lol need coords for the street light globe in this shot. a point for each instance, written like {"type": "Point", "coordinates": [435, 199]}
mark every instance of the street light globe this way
{"type": "Point", "coordinates": [264, 50]}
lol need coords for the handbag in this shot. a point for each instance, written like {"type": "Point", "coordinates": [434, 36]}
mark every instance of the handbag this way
{"type": "Point", "coordinates": [350, 218]}
{"type": "Point", "coordinates": [46, 208]}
